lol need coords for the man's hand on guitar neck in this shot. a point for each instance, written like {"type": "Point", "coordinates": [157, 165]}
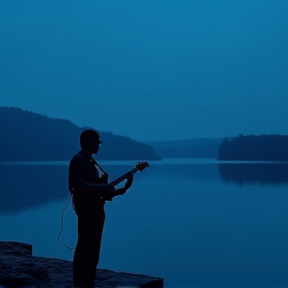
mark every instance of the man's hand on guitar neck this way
{"type": "Point", "coordinates": [122, 191]}
{"type": "Point", "coordinates": [129, 182]}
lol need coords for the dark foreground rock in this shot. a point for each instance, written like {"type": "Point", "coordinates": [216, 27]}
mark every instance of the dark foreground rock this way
{"type": "Point", "coordinates": [18, 268]}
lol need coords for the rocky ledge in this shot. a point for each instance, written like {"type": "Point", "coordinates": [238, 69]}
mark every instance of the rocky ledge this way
{"type": "Point", "coordinates": [18, 268]}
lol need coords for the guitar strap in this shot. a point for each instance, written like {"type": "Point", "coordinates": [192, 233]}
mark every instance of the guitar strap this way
{"type": "Point", "coordinates": [95, 163]}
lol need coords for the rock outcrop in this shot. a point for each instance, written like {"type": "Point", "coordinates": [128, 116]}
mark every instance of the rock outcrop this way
{"type": "Point", "coordinates": [19, 268]}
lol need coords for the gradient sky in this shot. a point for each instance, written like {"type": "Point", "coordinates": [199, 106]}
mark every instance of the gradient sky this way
{"type": "Point", "coordinates": [149, 69]}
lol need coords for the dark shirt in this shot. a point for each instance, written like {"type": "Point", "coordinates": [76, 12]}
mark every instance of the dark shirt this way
{"type": "Point", "coordinates": [83, 175]}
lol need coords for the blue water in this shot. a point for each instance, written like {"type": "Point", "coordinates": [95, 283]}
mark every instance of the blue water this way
{"type": "Point", "coordinates": [194, 222]}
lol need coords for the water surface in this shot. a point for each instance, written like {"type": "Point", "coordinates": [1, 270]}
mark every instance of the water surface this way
{"type": "Point", "coordinates": [194, 222]}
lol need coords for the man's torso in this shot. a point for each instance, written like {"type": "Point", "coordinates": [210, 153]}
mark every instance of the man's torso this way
{"type": "Point", "coordinates": [85, 203]}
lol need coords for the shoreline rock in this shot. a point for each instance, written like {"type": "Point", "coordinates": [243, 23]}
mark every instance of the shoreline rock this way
{"type": "Point", "coordinates": [19, 268]}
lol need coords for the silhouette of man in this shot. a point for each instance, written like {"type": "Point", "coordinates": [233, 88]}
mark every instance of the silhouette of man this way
{"type": "Point", "coordinates": [89, 192]}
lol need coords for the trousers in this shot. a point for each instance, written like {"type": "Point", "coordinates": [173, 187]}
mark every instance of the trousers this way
{"type": "Point", "coordinates": [87, 251]}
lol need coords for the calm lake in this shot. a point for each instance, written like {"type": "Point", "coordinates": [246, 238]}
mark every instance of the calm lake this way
{"type": "Point", "coordinates": [194, 222]}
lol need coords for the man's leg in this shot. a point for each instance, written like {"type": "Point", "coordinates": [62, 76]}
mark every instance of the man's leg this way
{"type": "Point", "coordinates": [86, 256]}
{"type": "Point", "coordinates": [83, 266]}
{"type": "Point", "coordinates": [97, 239]}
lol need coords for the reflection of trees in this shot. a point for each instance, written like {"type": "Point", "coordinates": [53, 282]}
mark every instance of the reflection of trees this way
{"type": "Point", "coordinates": [27, 186]}
{"type": "Point", "coordinates": [266, 173]}
{"type": "Point", "coordinates": [23, 187]}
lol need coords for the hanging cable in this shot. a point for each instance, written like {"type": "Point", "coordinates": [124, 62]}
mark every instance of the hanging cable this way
{"type": "Point", "coordinates": [62, 226]}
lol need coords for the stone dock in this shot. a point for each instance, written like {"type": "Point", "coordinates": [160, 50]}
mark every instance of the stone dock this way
{"type": "Point", "coordinates": [19, 268]}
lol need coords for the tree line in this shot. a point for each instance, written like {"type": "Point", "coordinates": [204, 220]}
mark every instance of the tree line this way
{"type": "Point", "coordinates": [29, 136]}
{"type": "Point", "coordinates": [265, 147]}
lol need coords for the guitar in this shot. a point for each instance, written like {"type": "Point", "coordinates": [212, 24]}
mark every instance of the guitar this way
{"type": "Point", "coordinates": [140, 166]}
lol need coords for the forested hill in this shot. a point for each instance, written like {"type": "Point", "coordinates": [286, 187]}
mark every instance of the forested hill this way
{"type": "Point", "coordinates": [28, 136]}
{"type": "Point", "coordinates": [264, 147]}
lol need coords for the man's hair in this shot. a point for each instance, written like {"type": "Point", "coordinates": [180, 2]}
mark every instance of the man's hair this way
{"type": "Point", "coordinates": [88, 137]}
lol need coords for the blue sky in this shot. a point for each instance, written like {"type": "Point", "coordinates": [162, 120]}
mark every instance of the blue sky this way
{"type": "Point", "coordinates": [151, 70]}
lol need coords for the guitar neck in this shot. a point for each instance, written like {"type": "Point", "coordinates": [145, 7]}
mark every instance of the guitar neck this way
{"type": "Point", "coordinates": [122, 178]}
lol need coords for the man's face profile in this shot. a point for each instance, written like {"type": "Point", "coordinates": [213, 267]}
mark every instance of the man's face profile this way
{"type": "Point", "coordinates": [94, 147]}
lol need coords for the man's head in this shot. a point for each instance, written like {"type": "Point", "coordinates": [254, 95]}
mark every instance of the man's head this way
{"type": "Point", "coordinates": [90, 140]}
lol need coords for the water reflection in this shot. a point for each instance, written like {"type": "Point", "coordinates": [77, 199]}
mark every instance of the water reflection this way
{"type": "Point", "coordinates": [24, 187]}
{"type": "Point", "coordinates": [266, 173]}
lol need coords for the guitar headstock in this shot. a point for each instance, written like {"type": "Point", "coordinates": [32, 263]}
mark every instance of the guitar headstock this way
{"type": "Point", "coordinates": [141, 165]}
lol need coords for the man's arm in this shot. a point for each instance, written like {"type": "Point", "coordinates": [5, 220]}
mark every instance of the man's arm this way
{"type": "Point", "coordinates": [121, 191]}
{"type": "Point", "coordinates": [77, 183]}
